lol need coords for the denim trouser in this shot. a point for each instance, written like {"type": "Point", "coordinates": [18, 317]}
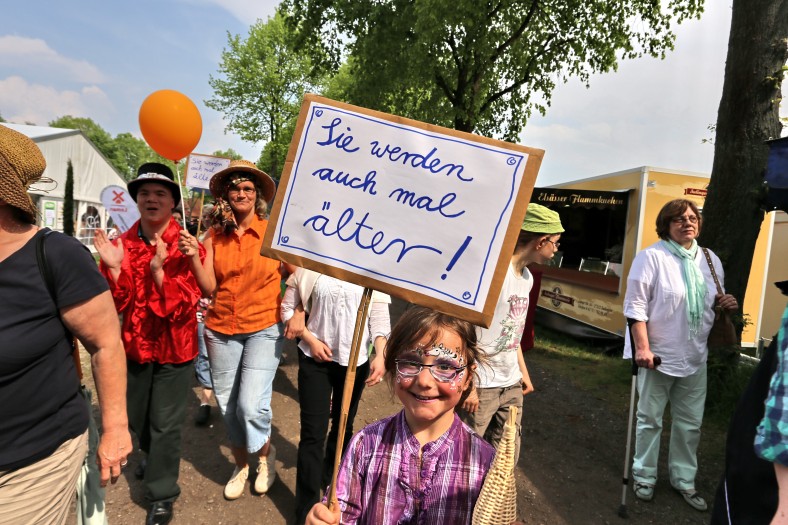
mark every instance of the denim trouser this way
{"type": "Point", "coordinates": [687, 396]}
{"type": "Point", "coordinates": [243, 367]}
{"type": "Point", "coordinates": [202, 368]}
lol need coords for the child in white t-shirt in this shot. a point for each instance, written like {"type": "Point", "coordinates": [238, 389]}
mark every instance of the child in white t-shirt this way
{"type": "Point", "coordinates": [505, 380]}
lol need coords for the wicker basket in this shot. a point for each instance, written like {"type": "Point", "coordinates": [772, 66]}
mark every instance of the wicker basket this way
{"type": "Point", "coordinates": [497, 503]}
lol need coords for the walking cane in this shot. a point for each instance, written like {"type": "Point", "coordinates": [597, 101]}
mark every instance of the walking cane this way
{"type": "Point", "coordinates": [622, 509]}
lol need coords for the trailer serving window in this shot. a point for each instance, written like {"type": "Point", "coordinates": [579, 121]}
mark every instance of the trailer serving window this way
{"type": "Point", "coordinates": [592, 245]}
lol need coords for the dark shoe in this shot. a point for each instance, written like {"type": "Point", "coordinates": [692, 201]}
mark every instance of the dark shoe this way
{"type": "Point", "coordinates": [203, 415]}
{"type": "Point", "coordinates": [139, 472]}
{"type": "Point", "coordinates": [160, 513]}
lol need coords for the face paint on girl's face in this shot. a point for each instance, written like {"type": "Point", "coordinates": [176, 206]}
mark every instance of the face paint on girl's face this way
{"type": "Point", "coordinates": [441, 352]}
{"type": "Point", "coordinates": [430, 396]}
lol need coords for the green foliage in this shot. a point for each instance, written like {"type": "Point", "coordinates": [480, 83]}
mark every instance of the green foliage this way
{"type": "Point", "coordinates": [2, 119]}
{"type": "Point", "coordinates": [68, 201]}
{"type": "Point", "coordinates": [478, 66]}
{"type": "Point", "coordinates": [125, 152]}
{"type": "Point", "coordinates": [262, 80]}
{"type": "Point", "coordinates": [610, 378]}
{"type": "Point", "coordinates": [229, 153]}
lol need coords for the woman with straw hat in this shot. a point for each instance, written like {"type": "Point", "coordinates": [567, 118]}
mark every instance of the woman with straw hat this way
{"type": "Point", "coordinates": [243, 330]}
{"type": "Point", "coordinates": [43, 435]}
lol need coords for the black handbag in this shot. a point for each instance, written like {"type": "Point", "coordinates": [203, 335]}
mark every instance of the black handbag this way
{"type": "Point", "coordinates": [723, 331]}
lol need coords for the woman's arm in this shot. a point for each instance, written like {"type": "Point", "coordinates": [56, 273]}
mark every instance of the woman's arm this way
{"type": "Point", "coordinates": [95, 323]}
{"type": "Point", "coordinates": [202, 270]}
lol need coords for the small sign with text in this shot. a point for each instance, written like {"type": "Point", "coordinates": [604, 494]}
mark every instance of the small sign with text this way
{"type": "Point", "coordinates": [200, 169]}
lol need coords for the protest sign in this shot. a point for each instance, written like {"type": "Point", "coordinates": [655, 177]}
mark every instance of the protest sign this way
{"type": "Point", "coordinates": [121, 207]}
{"type": "Point", "coordinates": [425, 213]}
{"type": "Point", "coordinates": [200, 169]}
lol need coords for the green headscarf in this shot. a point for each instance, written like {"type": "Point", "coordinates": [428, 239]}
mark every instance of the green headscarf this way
{"type": "Point", "coordinates": [693, 282]}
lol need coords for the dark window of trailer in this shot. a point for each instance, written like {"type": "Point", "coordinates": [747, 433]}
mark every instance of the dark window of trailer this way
{"type": "Point", "coordinates": [595, 224]}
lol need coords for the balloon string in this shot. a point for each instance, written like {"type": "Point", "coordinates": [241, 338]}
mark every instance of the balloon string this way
{"type": "Point", "coordinates": [180, 189]}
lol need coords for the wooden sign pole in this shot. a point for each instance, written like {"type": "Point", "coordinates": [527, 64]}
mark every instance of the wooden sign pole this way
{"type": "Point", "coordinates": [347, 393]}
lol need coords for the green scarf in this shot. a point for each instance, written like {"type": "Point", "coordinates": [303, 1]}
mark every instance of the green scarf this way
{"type": "Point", "coordinates": [693, 282]}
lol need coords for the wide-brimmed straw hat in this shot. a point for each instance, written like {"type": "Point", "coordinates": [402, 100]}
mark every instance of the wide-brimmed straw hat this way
{"type": "Point", "coordinates": [158, 173]}
{"type": "Point", "coordinates": [21, 164]}
{"type": "Point", "coordinates": [221, 179]}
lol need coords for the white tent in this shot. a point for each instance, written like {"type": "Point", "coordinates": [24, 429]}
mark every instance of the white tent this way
{"type": "Point", "coordinates": [92, 173]}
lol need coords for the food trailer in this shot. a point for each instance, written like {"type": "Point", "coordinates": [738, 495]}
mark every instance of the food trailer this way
{"type": "Point", "coordinates": [608, 219]}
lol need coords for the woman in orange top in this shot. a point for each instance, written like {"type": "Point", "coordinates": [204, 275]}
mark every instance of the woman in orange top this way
{"type": "Point", "coordinates": [243, 330]}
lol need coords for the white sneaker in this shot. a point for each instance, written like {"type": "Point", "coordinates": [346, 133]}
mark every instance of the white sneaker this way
{"type": "Point", "coordinates": [266, 471]}
{"type": "Point", "coordinates": [694, 499]}
{"type": "Point", "coordinates": [235, 487]}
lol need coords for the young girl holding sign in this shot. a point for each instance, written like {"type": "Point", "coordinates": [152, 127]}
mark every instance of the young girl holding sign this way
{"type": "Point", "coordinates": [422, 464]}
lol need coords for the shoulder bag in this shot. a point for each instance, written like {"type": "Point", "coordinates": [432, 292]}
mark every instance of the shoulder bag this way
{"type": "Point", "coordinates": [723, 331]}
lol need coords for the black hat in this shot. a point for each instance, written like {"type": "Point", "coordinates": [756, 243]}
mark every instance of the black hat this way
{"type": "Point", "coordinates": [158, 173]}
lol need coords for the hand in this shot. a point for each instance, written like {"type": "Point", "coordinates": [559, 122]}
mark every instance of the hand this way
{"type": "Point", "coordinates": [727, 301]}
{"type": "Point", "coordinates": [294, 327]}
{"type": "Point", "coordinates": [322, 515]}
{"type": "Point", "coordinates": [157, 263]}
{"type": "Point", "coordinates": [644, 358]}
{"type": "Point", "coordinates": [320, 351]}
{"type": "Point", "coordinates": [471, 403]}
{"type": "Point", "coordinates": [188, 245]}
{"type": "Point", "coordinates": [376, 371]}
{"type": "Point", "coordinates": [112, 454]}
{"type": "Point", "coordinates": [526, 386]}
{"type": "Point", "coordinates": [111, 254]}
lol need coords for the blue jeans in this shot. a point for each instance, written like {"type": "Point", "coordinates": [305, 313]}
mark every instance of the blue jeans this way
{"type": "Point", "coordinates": [243, 367]}
{"type": "Point", "coordinates": [202, 368]}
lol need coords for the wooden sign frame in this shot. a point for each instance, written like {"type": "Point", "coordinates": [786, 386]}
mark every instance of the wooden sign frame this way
{"type": "Point", "coordinates": [523, 163]}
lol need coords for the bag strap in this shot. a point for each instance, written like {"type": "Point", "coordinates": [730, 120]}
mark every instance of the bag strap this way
{"type": "Point", "coordinates": [49, 280]}
{"type": "Point", "coordinates": [713, 271]}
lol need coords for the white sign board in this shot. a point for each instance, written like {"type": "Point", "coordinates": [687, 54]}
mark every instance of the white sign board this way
{"type": "Point", "coordinates": [200, 169]}
{"type": "Point", "coordinates": [121, 207]}
{"type": "Point", "coordinates": [418, 211]}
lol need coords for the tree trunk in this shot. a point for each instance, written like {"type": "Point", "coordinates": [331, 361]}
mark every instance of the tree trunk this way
{"type": "Point", "coordinates": [748, 116]}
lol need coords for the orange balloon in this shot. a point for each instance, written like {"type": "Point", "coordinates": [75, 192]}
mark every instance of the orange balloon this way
{"type": "Point", "coordinates": [170, 123]}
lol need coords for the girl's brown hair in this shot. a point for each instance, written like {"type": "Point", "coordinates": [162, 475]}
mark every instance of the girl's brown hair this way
{"type": "Point", "coordinates": [670, 211]}
{"type": "Point", "coordinates": [419, 322]}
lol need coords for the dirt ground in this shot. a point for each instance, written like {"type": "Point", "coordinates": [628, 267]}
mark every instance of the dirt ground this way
{"type": "Point", "coordinates": [569, 472]}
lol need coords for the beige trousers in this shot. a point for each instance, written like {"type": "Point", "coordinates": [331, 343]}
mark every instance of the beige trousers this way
{"type": "Point", "coordinates": [41, 493]}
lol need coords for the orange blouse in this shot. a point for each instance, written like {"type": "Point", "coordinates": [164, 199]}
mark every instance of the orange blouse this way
{"type": "Point", "coordinates": [247, 295]}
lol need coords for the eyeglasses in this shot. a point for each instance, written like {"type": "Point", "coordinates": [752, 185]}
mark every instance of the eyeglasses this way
{"type": "Point", "coordinates": [440, 371]}
{"type": "Point", "coordinates": [692, 219]}
{"type": "Point", "coordinates": [245, 191]}
{"type": "Point", "coordinates": [556, 244]}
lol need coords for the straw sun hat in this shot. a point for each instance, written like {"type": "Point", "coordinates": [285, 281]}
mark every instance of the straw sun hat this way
{"type": "Point", "coordinates": [246, 169]}
{"type": "Point", "coordinates": [21, 164]}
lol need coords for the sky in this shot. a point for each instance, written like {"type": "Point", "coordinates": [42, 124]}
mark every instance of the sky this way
{"type": "Point", "coordinates": [100, 59]}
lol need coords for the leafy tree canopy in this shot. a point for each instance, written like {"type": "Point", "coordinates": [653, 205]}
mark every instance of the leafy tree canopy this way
{"type": "Point", "coordinates": [481, 66]}
{"type": "Point", "coordinates": [229, 153]}
{"type": "Point", "coordinates": [261, 82]}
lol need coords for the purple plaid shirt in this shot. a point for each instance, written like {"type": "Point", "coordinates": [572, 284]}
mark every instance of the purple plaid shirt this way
{"type": "Point", "coordinates": [380, 480]}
